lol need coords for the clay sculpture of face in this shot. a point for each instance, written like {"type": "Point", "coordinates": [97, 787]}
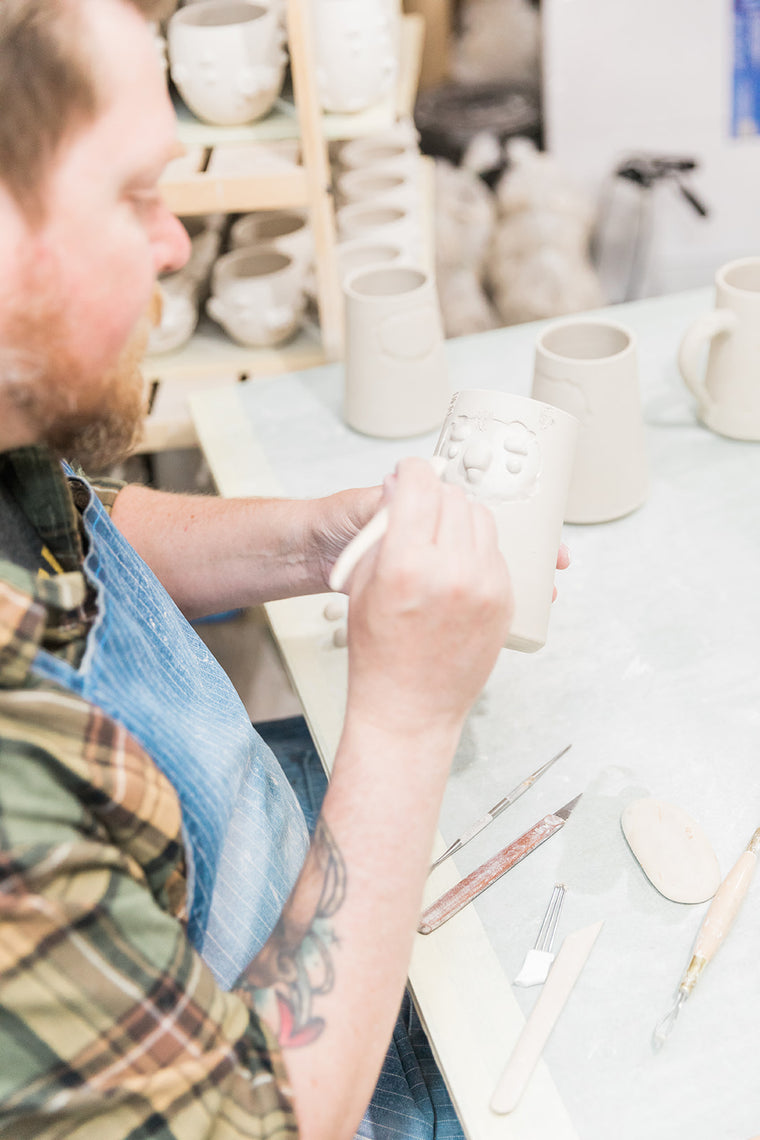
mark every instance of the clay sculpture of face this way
{"type": "Point", "coordinates": [494, 460]}
{"type": "Point", "coordinates": [514, 455]}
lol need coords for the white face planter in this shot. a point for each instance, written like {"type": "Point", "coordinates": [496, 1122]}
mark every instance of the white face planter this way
{"type": "Point", "coordinates": [227, 59]}
{"type": "Point", "coordinates": [258, 296]}
{"type": "Point", "coordinates": [356, 52]}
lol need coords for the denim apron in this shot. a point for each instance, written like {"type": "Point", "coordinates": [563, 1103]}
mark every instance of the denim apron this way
{"type": "Point", "coordinates": [245, 833]}
{"type": "Point", "coordinates": [144, 665]}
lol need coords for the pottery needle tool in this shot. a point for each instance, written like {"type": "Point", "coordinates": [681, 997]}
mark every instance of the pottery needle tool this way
{"type": "Point", "coordinates": [543, 1017]}
{"type": "Point", "coordinates": [487, 873]}
{"type": "Point", "coordinates": [715, 926]}
{"type": "Point", "coordinates": [370, 534]}
{"type": "Point", "coordinates": [498, 808]}
{"type": "Point", "coordinates": [538, 959]}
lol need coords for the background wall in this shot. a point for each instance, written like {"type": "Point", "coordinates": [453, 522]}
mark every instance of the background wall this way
{"type": "Point", "coordinates": [656, 75]}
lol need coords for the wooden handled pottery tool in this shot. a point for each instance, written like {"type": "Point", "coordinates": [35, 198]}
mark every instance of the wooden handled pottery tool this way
{"type": "Point", "coordinates": [562, 977]}
{"type": "Point", "coordinates": [348, 558]}
{"type": "Point", "coordinates": [487, 873]}
{"type": "Point", "coordinates": [497, 809]}
{"type": "Point", "coordinates": [715, 926]}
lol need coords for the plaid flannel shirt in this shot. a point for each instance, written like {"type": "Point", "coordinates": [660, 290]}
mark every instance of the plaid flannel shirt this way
{"type": "Point", "coordinates": [111, 1027]}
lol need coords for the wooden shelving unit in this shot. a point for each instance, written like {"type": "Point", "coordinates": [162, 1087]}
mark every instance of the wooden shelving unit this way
{"type": "Point", "coordinates": [286, 166]}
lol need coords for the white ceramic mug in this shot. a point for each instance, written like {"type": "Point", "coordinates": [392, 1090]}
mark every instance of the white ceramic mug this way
{"type": "Point", "coordinates": [515, 455]}
{"type": "Point", "coordinates": [388, 223]}
{"type": "Point", "coordinates": [365, 253]}
{"type": "Point", "coordinates": [258, 295]}
{"type": "Point", "coordinates": [396, 148]}
{"type": "Point", "coordinates": [355, 52]}
{"type": "Point", "coordinates": [287, 230]}
{"type": "Point", "coordinates": [589, 368]}
{"type": "Point", "coordinates": [377, 184]}
{"type": "Point", "coordinates": [227, 59]}
{"type": "Point", "coordinates": [396, 382]}
{"type": "Point", "coordinates": [728, 388]}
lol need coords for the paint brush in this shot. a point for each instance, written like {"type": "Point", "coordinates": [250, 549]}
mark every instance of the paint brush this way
{"type": "Point", "coordinates": [366, 538]}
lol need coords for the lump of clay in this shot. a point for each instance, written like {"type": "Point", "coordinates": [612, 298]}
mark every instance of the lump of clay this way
{"type": "Point", "coordinates": [674, 852]}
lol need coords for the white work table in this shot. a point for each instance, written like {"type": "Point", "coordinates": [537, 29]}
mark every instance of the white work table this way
{"type": "Point", "coordinates": [651, 672]}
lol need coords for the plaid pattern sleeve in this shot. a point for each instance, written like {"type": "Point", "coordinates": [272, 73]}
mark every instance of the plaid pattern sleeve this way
{"type": "Point", "coordinates": [111, 1027]}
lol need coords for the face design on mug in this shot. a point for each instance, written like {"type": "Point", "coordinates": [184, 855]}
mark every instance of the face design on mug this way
{"type": "Point", "coordinates": [493, 460]}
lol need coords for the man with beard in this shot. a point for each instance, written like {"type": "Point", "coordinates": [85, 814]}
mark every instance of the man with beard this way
{"type": "Point", "coordinates": [179, 956]}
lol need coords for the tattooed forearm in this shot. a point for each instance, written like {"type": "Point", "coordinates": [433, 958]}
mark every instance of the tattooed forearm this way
{"type": "Point", "coordinates": [296, 964]}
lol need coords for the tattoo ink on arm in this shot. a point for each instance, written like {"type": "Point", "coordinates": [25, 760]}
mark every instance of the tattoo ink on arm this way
{"type": "Point", "coordinates": [296, 965]}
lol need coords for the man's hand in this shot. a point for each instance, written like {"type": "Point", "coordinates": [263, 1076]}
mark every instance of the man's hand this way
{"type": "Point", "coordinates": [430, 607]}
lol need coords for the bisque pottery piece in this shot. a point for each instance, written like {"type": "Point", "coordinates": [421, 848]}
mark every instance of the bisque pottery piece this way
{"type": "Point", "coordinates": [728, 388]}
{"type": "Point", "coordinates": [589, 368]}
{"type": "Point", "coordinates": [286, 230]}
{"type": "Point", "coordinates": [365, 253]}
{"type": "Point", "coordinates": [395, 370]}
{"type": "Point", "coordinates": [258, 296]}
{"type": "Point", "coordinates": [673, 850]}
{"type": "Point", "coordinates": [377, 184]}
{"type": "Point", "coordinates": [515, 455]}
{"type": "Point", "coordinates": [355, 52]}
{"type": "Point", "coordinates": [181, 290]}
{"type": "Point", "coordinates": [388, 223]}
{"type": "Point", "coordinates": [396, 148]}
{"type": "Point", "coordinates": [227, 59]}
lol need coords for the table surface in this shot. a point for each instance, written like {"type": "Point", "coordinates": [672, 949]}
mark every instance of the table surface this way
{"type": "Point", "coordinates": [650, 671]}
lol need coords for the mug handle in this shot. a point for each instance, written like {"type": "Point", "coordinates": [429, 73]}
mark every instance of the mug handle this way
{"type": "Point", "coordinates": [697, 335]}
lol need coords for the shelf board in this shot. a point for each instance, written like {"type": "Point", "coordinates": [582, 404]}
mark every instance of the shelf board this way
{"type": "Point", "coordinates": [211, 353]}
{"type": "Point", "coordinates": [228, 194]}
{"type": "Point", "coordinates": [282, 121]}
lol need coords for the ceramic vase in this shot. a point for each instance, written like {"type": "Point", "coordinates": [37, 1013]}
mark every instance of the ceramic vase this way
{"type": "Point", "coordinates": [515, 455]}
{"type": "Point", "coordinates": [396, 382]}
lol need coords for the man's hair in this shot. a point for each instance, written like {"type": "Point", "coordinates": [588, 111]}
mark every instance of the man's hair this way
{"type": "Point", "coordinates": [48, 89]}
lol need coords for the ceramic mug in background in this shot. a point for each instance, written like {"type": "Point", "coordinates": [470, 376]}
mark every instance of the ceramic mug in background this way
{"type": "Point", "coordinates": [377, 184]}
{"type": "Point", "coordinates": [589, 368]}
{"type": "Point", "coordinates": [258, 295]}
{"type": "Point", "coordinates": [364, 253]}
{"type": "Point", "coordinates": [387, 223]}
{"type": "Point", "coordinates": [227, 59]}
{"type": "Point", "coordinates": [395, 370]}
{"type": "Point", "coordinates": [515, 455]}
{"type": "Point", "coordinates": [396, 148]}
{"type": "Point", "coordinates": [287, 230]}
{"type": "Point", "coordinates": [355, 52]}
{"type": "Point", "coordinates": [728, 387]}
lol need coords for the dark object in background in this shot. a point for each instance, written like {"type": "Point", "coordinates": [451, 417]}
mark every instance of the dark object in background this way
{"type": "Point", "coordinates": [449, 116]}
{"type": "Point", "coordinates": [647, 171]}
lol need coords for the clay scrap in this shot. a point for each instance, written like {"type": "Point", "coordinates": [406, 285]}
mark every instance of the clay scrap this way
{"type": "Point", "coordinates": [674, 852]}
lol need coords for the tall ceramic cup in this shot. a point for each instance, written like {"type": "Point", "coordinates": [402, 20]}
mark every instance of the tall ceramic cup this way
{"type": "Point", "coordinates": [728, 388]}
{"type": "Point", "coordinates": [589, 368]}
{"type": "Point", "coordinates": [515, 455]}
{"type": "Point", "coordinates": [395, 371]}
